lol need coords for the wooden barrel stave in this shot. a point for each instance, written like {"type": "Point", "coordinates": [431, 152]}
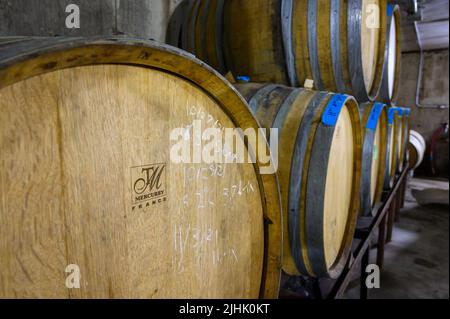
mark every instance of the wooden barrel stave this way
{"type": "Point", "coordinates": [375, 150]}
{"type": "Point", "coordinates": [388, 160]}
{"type": "Point", "coordinates": [191, 44]}
{"type": "Point", "coordinates": [70, 68]}
{"type": "Point", "coordinates": [253, 40]}
{"type": "Point", "coordinates": [214, 39]}
{"type": "Point", "coordinates": [301, 51]}
{"type": "Point", "coordinates": [306, 146]}
{"type": "Point", "coordinates": [392, 64]}
{"type": "Point", "coordinates": [340, 47]}
{"type": "Point", "coordinates": [199, 32]}
{"type": "Point", "coordinates": [202, 31]}
{"type": "Point", "coordinates": [297, 258]}
{"type": "Point", "coordinates": [186, 20]}
{"type": "Point", "coordinates": [175, 25]}
{"type": "Point", "coordinates": [391, 158]}
{"type": "Point", "coordinates": [401, 129]}
{"type": "Point", "coordinates": [406, 124]}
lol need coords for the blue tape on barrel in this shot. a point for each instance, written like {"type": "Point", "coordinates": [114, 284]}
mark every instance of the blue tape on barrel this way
{"type": "Point", "coordinates": [374, 116]}
{"type": "Point", "coordinates": [407, 112]}
{"type": "Point", "coordinates": [391, 114]}
{"type": "Point", "coordinates": [333, 109]}
{"type": "Point", "coordinates": [390, 10]}
{"type": "Point", "coordinates": [243, 78]}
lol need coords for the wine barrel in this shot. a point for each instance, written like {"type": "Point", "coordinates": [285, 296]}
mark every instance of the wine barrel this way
{"type": "Point", "coordinates": [393, 54]}
{"type": "Point", "coordinates": [187, 33]}
{"type": "Point", "coordinates": [319, 172]}
{"type": "Point", "coordinates": [253, 40]}
{"type": "Point", "coordinates": [335, 45]}
{"type": "Point", "coordinates": [89, 185]}
{"type": "Point", "coordinates": [391, 153]}
{"type": "Point", "coordinates": [375, 137]}
{"type": "Point", "coordinates": [417, 147]}
{"type": "Point", "coordinates": [406, 122]}
{"type": "Point", "coordinates": [197, 27]}
{"type": "Point", "coordinates": [400, 128]}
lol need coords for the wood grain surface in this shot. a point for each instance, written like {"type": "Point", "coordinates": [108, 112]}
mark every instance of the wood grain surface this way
{"type": "Point", "coordinates": [375, 152]}
{"type": "Point", "coordinates": [78, 139]}
{"type": "Point", "coordinates": [394, 147]}
{"type": "Point", "coordinates": [370, 39]}
{"type": "Point", "coordinates": [320, 250]}
{"type": "Point", "coordinates": [333, 45]}
{"type": "Point", "coordinates": [389, 89]}
{"type": "Point", "coordinates": [253, 42]}
{"type": "Point", "coordinates": [339, 192]}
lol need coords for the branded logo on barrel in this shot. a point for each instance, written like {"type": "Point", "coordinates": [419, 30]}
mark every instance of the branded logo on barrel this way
{"type": "Point", "coordinates": [148, 184]}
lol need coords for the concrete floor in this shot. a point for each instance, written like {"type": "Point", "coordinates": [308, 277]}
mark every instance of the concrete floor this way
{"type": "Point", "coordinates": [416, 262]}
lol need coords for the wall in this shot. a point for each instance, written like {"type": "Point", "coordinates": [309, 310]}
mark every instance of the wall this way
{"type": "Point", "coordinates": [435, 90]}
{"type": "Point", "coordinates": [146, 19]}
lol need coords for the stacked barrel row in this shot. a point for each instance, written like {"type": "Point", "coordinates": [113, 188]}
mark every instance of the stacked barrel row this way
{"type": "Point", "coordinates": [351, 47]}
{"type": "Point", "coordinates": [338, 46]}
{"type": "Point", "coordinates": [319, 172]}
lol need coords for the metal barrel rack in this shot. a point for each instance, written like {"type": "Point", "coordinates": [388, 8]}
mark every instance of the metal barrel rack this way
{"type": "Point", "coordinates": [383, 222]}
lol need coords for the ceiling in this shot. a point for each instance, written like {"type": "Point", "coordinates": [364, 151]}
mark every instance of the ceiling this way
{"type": "Point", "coordinates": [429, 24]}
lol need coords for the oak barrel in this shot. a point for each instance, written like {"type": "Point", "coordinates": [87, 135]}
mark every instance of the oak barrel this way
{"type": "Point", "coordinates": [405, 137]}
{"type": "Point", "coordinates": [175, 25]}
{"type": "Point", "coordinates": [87, 177]}
{"type": "Point", "coordinates": [334, 45]}
{"type": "Point", "coordinates": [319, 169]}
{"type": "Point", "coordinates": [375, 138]}
{"type": "Point", "coordinates": [391, 153]}
{"type": "Point", "coordinates": [417, 147]}
{"type": "Point", "coordinates": [401, 127]}
{"type": "Point", "coordinates": [197, 27]}
{"type": "Point", "coordinates": [393, 54]}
